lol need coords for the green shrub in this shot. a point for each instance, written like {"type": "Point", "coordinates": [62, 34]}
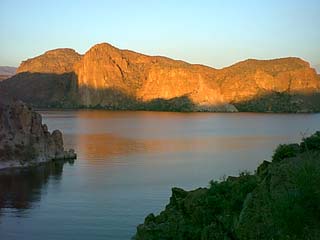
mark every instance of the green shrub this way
{"type": "Point", "coordinates": [285, 151]}
{"type": "Point", "coordinates": [296, 212]}
{"type": "Point", "coordinates": [226, 198]}
{"type": "Point", "coordinates": [311, 143]}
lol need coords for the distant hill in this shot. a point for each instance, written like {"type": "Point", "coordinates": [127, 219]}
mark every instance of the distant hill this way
{"type": "Point", "coordinates": [6, 72]}
{"type": "Point", "coordinates": [111, 78]}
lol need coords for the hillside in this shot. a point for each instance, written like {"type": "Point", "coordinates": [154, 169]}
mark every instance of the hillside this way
{"type": "Point", "coordinates": [111, 78]}
{"type": "Point", "coordinates": [279, 201]}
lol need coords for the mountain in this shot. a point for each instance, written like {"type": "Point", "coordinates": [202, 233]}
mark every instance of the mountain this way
{"type": "Point", "coordinates": [317, 67]}
{"type": "Point", "coordinates": [108, 77]}
{"type": "Point", "coordinates": [6, 72]}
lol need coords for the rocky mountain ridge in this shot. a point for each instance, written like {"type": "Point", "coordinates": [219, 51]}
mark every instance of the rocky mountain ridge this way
{"type": "Point", "coordinates": [107, 77]}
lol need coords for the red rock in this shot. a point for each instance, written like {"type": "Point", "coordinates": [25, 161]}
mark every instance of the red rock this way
{"type": "Point", "coordinates": [109, 77]}
{"type": "Point", "coordinates": [54, 61]}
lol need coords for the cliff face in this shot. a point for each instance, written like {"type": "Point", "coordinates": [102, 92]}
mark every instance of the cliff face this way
{"type": "Point", "coordinates": [280, 201]}
{"type": "Point", "coordinates": [109, 77]}
{"type": "Point", "coordinates": [146, 78]}
{"type": "Point", "coordinates": [24, 140]}
{"type": "Point", "coordinates": [105, 70]}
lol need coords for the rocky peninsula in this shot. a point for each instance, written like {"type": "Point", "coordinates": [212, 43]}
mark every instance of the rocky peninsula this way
{"type": "Point", "coordinates": [281, 200]}
{"type": "Point", "coordinates": [24, 140]}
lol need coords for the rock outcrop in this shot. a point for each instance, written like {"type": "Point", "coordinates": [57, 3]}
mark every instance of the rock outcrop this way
{"type": "Point", "coordinates": [280, 201]}
{"type": "Point", "coordinates": [56, 61]}
{"type": "Point", "coordinates": [107, 77]}
{"type": "Point", "coordinates": [24, 140]}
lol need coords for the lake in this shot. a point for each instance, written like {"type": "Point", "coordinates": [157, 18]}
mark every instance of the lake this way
{"type": "Point", "coordinates": [127, 164]}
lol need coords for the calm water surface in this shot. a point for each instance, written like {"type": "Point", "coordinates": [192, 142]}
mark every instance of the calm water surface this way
{"type": "Point", "coordinates": [128, 162]}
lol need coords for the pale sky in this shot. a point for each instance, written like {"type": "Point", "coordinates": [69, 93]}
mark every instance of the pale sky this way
{"type": "Point", "coordinates": [217, 33]}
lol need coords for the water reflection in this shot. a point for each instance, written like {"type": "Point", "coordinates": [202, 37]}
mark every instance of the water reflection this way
{"type": "Point", "coordinates": [21, 188]}
{"type": "Point", "coordinates": [128, 162]}
{"type": "Point", "coordinates": [103, 146]}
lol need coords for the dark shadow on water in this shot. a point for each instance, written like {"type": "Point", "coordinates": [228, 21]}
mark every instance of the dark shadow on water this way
{"type": "Point", "coordinates": [21, 188]}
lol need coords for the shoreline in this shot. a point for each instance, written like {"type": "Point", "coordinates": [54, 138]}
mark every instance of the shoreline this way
{"type": "Point", "coordinates": [15, 164]}
{"type": "Point", "coordinates": [42, 109]}
{"type": "Point", "coordinates": [260, 205]}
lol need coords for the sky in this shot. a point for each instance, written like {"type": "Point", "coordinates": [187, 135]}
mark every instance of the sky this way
{"type": "Point", "coordinates": [216, 33]}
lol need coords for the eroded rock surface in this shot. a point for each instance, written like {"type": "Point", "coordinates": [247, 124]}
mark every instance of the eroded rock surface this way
{"type": "Point", "coordinates": [24, 140]}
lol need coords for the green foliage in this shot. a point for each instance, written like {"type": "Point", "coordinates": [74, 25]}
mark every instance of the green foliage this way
{"type": "Point", "coordinates": [296, 211]}
{"type": "Point", "coordinates": [281, 201]}
{"type": "Point", "coordinates": [311, 143]}
{"type": "Point", "coordinates": [229, 195]}
{"type": "Point", "coordinates": [285, 151]}
{"type": "Point", "coordinates": [271, 102]}
{"type": "Point", "coordinates": [178, 104]}
{"type": "Point", "coordinates": [226, 198]}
